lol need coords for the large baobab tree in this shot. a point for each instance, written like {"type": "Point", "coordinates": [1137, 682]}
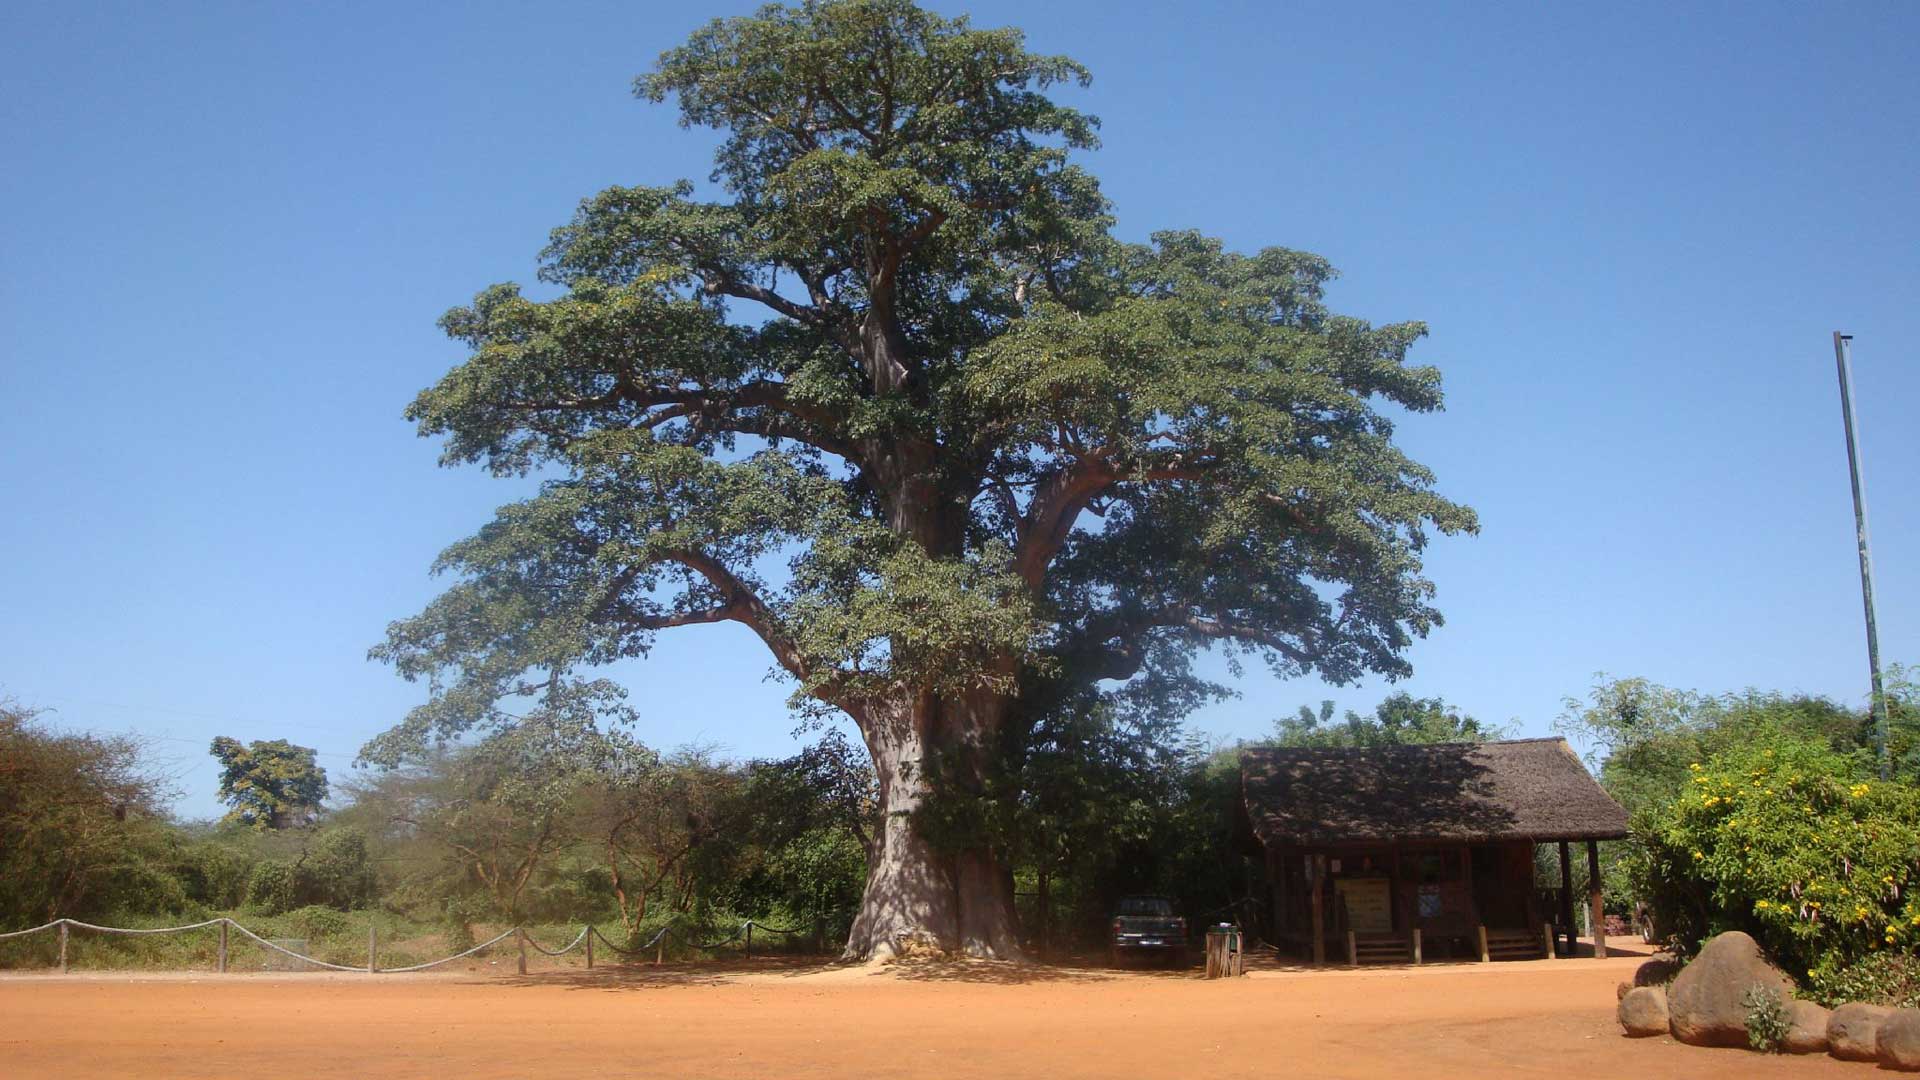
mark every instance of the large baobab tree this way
{"type": "Point", "coordinates": [894, 399]}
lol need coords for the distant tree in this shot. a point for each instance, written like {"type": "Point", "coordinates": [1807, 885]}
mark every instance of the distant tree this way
{"type": "Point", "coordinates": [270, 784]}
{"type": "Point", "coordinates": [1401, 718]}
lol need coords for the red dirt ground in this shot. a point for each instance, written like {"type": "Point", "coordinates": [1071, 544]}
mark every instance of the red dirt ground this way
{"type": "Point", "coordinates": [1542, 1018]}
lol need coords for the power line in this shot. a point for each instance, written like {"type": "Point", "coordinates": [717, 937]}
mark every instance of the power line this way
{"type": "Point", "coordinates": [228, 720]}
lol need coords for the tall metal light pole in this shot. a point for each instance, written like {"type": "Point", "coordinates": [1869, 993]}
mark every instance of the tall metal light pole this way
{"type": "Point", "coordinates": [1843, 358]}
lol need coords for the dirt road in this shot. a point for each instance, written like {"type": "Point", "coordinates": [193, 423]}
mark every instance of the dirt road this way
{"type": "Point", "coordinates": [1544, 1019]}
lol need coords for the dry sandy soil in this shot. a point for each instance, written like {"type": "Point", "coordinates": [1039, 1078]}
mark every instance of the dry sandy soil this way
{"type": "Point", "coordinates": [1541, 1018]}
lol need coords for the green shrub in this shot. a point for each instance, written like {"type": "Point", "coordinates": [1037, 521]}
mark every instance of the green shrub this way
{"type": "Point", "coordinates": [270, 888]}
{"type": "Point", "coordinates": [335, 871]}
{"type": "Point", "coordinates": [1883, 978]}
{"type": "Point", "coordinates": [213, 873]}
{"type": "Point", "coordinates": [1768, 1021]}
{"type": "Point", "coordinates": [1786, 840]}
{"type": "Point", "coordinates": [316, 921]}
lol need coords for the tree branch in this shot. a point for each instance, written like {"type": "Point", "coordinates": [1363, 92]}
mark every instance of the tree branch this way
{"type": "Point", "coordinates": [1059, 499]}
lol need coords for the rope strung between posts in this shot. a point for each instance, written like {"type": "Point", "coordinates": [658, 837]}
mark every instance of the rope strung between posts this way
{"type": "Point", "coordinates": [447, 960]}
{"type": "Point", "coordinates": [290, 952]}
{"type": "Point", "coordinates": [578, 940]}
{"type": "Point", "coordinates": [668, 929]}
{"type": "Point", "coordinates": [622, 950]}
{"type": "Point", "coordinates": [561, 951]}
{"type": "Point", "coordinates": [160, 930]}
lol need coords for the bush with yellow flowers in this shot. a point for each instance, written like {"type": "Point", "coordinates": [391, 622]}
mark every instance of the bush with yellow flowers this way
{"type": "Point", "coordinates": [1793, 843]}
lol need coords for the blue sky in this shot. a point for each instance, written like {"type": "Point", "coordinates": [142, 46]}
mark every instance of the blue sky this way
{"type": "Point", "coordinates": [229, 228]}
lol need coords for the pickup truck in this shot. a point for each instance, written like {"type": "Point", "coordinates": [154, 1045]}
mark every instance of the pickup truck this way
{"type": "Point", "coordinates": [1146, 925]}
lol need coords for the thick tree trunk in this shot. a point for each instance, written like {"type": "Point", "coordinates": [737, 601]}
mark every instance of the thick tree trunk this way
{"type": "Point", "coordinates": [920, 899]}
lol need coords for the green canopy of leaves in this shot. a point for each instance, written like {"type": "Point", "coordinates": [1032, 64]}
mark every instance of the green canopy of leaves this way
{"type": "Point", "coordinates": [896, 399]}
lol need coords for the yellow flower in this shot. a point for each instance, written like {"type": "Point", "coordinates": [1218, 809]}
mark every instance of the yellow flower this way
{"type": "Point", "coordinates": [1697, 855]}
{"type": "Point", "coordinates": [1695, 766]}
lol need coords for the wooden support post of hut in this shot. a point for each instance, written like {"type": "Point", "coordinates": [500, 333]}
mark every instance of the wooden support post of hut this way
{"type": "Point", "coordinates": [1567, 928]}
{"type": "Point", "coordinates": [1595, 909]}
{"type": "Point", "coordinates": [1366, 846]}
{"type": "Point", "coordinates": [1318, 875]}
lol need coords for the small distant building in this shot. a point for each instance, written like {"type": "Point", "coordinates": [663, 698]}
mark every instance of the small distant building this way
{"type": "Point", "coordinates": [1393, 852]}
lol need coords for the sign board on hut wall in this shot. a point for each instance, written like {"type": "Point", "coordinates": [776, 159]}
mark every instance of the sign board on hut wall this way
{"type": "Point", "coordinates": [1369, 910]}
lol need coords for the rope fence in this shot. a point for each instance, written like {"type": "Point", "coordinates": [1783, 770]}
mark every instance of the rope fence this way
{"type": "Point", "coordinates": [522, 938]}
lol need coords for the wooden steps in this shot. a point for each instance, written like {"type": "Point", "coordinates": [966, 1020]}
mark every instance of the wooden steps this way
{"type": "Point", "coordinates": [1379, 949]}
{"type": "Point", "coordinates": [1515, 945]}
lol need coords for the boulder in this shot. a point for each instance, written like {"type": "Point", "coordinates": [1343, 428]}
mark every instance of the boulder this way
{"type": "Point", "coordinates": [1704, 1002]}
{"type": "Point", "coordinates": [1643, 1012]}
{"type": "Point", "coordinates": [1899, 1040]}
{"type": "Point", "coordinates": [1853, 1031]}
{"type": "Point", "coordinates": [1809, 1032]}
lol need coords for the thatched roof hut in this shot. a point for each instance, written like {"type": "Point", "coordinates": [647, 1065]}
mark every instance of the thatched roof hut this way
{"type": "Point", "coordinates": [1523, 789]}
{"type": "Point", "coordinates": [1381, 848]}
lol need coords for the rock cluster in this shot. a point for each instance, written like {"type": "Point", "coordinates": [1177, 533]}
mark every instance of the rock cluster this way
{"type": "Point", "coordinates": [1705, 1006]}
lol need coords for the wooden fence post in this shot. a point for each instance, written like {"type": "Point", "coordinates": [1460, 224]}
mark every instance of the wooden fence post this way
{"type": "Point", "coordinates": [520, 939]}
{"type": "Point", "coordinates": [1546, 940]}
{"type": "Point", "coordinates": [1353, 950]}
{"type": "Point", "coordinates": [749, 939]}
{"type": "Point", "coordinates": [1416, 946]}
{"type": "Point", "coordinates": [63, 946]}
{"type": "Point", "coordinates": [223, 946]}
{"type": "Point", "coordinates": [659, 949]}
{"type": "Point", "coordinates": [589, 947]}
{"type": "Point", "coordinates": [373, 947]}
{"type": "Point", "coordinates": [1485, 956]}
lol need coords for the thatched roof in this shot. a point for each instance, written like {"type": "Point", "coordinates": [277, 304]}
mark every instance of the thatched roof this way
{"type": "Point", "coordinates": [1524, 789]}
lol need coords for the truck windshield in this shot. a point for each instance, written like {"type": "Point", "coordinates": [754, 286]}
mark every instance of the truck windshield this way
{"type": "Point", "coordinates": [1146, 905]}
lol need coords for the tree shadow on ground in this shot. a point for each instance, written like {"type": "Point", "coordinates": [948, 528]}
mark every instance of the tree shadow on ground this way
{"type": "Point", "coordinates": [1011, 973]}
{"type": "Point", "coordinates": [641, 975]}
{"type": "Point", "coordinates": [644, 975]}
